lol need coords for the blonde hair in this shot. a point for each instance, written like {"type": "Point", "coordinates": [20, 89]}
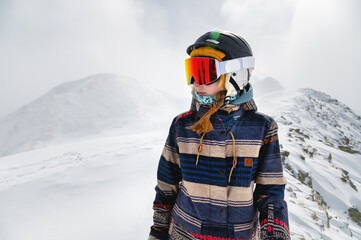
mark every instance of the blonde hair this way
{"type": "Point", "coordinates": [204, 124]}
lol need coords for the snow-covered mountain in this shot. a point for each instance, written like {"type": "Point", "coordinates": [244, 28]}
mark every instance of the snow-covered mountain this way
{"type": "Point", "coordinates": [321, 142]}
{"type": "Point", "coordinates": [93, 105]}
{"type": "Point", "coordinates": [101, 186]}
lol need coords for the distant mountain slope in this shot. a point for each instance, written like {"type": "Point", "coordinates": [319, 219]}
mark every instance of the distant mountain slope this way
{"type": "Point", "coordinates": [102, 102]}
{"type": "Point", "coordinates": [320, 143]}
{"type": "Point", "coordinates": [265, 86]}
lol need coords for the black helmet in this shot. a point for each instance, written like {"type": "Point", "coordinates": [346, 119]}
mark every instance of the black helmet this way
{"type": "Point", "coordinates": [233, 46]}
{"type": "Point", "coordinates": [229, 43]}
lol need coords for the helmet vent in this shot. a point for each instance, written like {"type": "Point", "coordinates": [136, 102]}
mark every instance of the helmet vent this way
{"type": "Point", "coordinates": [212, 41]}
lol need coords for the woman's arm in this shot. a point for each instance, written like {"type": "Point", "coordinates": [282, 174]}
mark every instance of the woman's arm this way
{"type": "Point", "coordinates": [168, 178]}
{"type": "Point", "coordinates": [270, 188]}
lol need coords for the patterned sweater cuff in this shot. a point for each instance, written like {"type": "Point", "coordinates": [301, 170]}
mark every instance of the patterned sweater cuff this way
{"type": "Point", "coordinates": [273, 225]}
{"type": "Point", "coordinates": [158, 235]}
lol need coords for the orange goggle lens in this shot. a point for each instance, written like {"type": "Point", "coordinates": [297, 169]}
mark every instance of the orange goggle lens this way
{"type": "Point", "coordinates": [201, 70]}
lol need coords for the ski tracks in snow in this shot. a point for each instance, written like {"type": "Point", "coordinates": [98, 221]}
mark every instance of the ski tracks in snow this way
{"type": "Point", "coordinates": [28, 166]}
{"type": "Point", "coordinates": [13, 176]}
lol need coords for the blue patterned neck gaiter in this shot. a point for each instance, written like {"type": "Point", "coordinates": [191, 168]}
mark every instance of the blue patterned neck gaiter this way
{"type": "Point", "coordinates": [204, 100]}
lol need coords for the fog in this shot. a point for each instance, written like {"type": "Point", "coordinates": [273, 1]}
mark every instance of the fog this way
{"type": "Point", "coordinates": [300, 43]}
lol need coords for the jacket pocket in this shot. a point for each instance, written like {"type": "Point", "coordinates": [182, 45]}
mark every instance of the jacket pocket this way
{"type": "Point", "coordinates": [243, 172]}
{"type": "Point", "coordinates": [177, 232]}
{"type": "Point", "coordinates": [183, 222]}
{"type": "Point", "coordinates": [247, 230]}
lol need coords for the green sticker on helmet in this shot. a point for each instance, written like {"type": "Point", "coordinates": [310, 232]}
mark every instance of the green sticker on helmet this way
{"type": "Point", "coordinates": [215, 35]}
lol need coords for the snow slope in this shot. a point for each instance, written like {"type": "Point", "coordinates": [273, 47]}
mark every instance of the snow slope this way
{"type": "Point", "coordinates": [92, 189]}
{"type": "Point", "coordinates": [84, 107]}
{"type": "Point", "coordinates": [86, 186]}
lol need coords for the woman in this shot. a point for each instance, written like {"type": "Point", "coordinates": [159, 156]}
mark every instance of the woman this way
{"type": "Point", "coordinates": [216, 152]}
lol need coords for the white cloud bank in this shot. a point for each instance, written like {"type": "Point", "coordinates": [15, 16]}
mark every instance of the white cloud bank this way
{"type": "Point", "coordinates": [301, 43]}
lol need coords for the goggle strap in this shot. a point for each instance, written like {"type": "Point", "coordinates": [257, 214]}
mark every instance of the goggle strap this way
{"type": "Point", "coordinates": [235, 65]}
{"type": "Point", "coordinates": [248, 62]}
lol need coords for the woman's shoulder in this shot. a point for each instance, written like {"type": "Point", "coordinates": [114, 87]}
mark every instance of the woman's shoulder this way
{"type": "Point", "coordinates": [183, 116]}
{"type": "Point", "coordinates": [260, 118]}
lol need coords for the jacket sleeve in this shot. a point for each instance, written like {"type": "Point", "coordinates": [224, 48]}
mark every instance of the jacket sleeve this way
{"type": "Point", "coordinates": [270, 186]}
{"type": "Point", "coordinates": [168, 178]}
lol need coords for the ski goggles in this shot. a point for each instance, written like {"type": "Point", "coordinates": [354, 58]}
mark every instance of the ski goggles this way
{"type": "Point", "coordinates": [204, 70]}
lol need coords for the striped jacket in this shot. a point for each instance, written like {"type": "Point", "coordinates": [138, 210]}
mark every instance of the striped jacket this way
{"type": "Point", "coordinates": [226, 184]}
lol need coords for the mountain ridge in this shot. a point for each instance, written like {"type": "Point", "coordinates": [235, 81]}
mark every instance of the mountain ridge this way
{"type": "Point", "coordinates": [320, 142]}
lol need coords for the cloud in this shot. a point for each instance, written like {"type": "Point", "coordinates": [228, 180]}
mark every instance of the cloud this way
{"type": "Point", "coordinates": [44, 43]}
{"type": "Point", "coordinates": [258, 17]}
{"type": "Point", "coordinates": [48, 42]}
{"type": "Point", "coordinates": [324, 50]}
{"type": "Point", "coordinates": [303, 43]}
{"type": "Point", "coordinates": [265, 25]}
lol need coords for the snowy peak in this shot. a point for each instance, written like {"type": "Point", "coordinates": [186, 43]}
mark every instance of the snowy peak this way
{"type": "Point", "coordinates": [88, 106]}
{"type": "Point", "coordinates": [326, 120]}
{"type": "Point", "coordinates": [320, 148]}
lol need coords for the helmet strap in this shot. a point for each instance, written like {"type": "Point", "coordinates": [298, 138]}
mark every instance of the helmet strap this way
{"type": "Point", "coordinates": [235, 85]}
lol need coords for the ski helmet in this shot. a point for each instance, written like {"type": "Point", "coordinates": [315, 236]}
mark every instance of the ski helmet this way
{"type": "Point", "coordinates": [233, 46]}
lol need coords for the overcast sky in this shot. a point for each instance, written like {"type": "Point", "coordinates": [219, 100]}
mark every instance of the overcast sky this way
{"type": "Point", "coordinates": [301, 43]}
